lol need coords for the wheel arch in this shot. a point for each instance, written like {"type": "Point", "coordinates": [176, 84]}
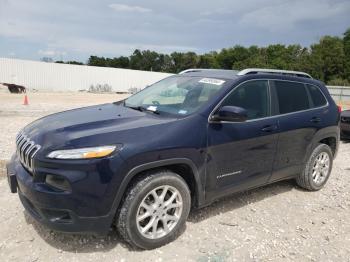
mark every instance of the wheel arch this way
{"type": "Point", "coordinates": [331, 141]}
{"type": "Point", "coordinates": [329, 136]}
{"type": "Point", "coordinates": [183, 166]}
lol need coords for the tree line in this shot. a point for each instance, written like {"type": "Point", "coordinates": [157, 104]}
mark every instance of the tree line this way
{"type": "Point", "coordinates": [327, 60]}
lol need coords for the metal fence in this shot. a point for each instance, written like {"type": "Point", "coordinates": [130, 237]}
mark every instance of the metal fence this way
{"type": "Point", "coordinates": [62, 77]}
{"type": "Point", "coordinates": [340, 93]}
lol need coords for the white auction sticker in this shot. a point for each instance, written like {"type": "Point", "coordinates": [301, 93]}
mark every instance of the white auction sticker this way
{"type": "Point", "coordinates": [212, 81]}
{"type": "Point", "coordinates": [152, 108]}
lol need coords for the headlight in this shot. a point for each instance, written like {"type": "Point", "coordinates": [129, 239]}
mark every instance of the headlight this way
{"type": "Point", "coordinates": [83, 153]}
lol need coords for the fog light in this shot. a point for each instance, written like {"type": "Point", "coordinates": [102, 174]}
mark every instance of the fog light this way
{"type": "Point", "coordinates": [57, 216]}
{"type": "Point", "coordinates": [58, 182]}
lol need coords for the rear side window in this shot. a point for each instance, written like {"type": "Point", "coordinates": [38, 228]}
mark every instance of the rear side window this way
{"type": "Point", "coordinates": [292, 97]}
{"type": "Point", "coordinates": [317, 97]}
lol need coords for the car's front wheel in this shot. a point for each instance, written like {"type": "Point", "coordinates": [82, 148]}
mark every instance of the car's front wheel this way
{"type": "Point", "coordinates": [154, 210]}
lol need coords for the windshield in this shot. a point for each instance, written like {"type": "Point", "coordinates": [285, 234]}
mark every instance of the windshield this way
{"type": "Point", "coordinates": [177, 95]}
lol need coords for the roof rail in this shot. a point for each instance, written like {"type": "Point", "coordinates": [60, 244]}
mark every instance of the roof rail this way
{"type": "Point", "coordinates": [273, 71]}
{"type": "Point", "coordinates": [212, 70]}
{"type": "Point", "coordinates": [188, 70]}
{"type": "Point", "coordinates": [200, 70]}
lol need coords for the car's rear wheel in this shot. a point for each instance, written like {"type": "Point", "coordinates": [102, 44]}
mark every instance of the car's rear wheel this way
{"type": "Point", "coordinates": [317, 169]}
{"type": "Point", "coordinates": [154, 210]}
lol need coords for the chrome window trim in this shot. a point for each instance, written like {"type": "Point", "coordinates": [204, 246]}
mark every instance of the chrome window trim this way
{"type": "Point", "coordinates": [264, 118]}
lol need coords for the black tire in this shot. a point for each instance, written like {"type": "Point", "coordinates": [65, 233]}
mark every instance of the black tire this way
{"type": "Point", "coordinates": [136, 194]}
{"type": "Point", "coordinates": [305, 179]}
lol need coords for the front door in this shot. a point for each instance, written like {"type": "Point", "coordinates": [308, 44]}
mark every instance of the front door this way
{"type": "Point", "coordinates": [241, 155]}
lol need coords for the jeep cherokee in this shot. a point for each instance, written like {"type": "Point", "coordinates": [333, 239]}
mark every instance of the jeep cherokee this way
{"type": "Point", "coordinates": [183, 142]}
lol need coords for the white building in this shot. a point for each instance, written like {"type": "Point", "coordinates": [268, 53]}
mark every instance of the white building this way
{"type": "Point", "coordinates": [63, 77]}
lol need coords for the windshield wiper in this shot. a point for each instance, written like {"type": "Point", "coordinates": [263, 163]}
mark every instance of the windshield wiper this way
{"type": "Point", "coordinates": [143, 109]}
{"type": "Point", "coordinates": [138, 108]}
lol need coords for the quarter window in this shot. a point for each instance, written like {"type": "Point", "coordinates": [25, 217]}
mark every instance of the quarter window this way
{"type": "Point", "coordinates": [317, 97]}
{"type": "Point", "coordinates": [292, 97]}
{"type": "Point", "coordinates": [252, 96]}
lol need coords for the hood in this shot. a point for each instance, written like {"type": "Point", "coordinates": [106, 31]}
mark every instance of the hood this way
{"type": "Point", "coordinates": [89, 126]}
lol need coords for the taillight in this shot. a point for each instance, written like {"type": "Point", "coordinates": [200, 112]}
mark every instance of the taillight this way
{"type": "Point", "coordinates": [339, 109]}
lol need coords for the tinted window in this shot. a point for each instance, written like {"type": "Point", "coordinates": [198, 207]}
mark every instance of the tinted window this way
{"type": "Point", "coordinates": [292, 97]}
{"type": "Point", "coordinates": [252, 96]}
{"type": "Point", "coordinates": [317, 97]}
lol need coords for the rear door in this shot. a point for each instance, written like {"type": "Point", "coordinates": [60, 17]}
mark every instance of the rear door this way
{"type": "Point", "coordinates": [299, 108]}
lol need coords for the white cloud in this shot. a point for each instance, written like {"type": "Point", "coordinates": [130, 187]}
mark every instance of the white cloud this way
{"type": "Point", "coordinates": [51, 53]}
{"type": "Point", "coordinates": [47, 52]}
{"type": "Point", "coordinates": [129, 8]}
{"type": "Point", "coordinates": [287, 15]}
{"type": "Point", "coordinates": [97, 46]}
{"type": "Point", "coordinates": [217, 12]}
{"type": "Point", "coordinates": [83, 27]}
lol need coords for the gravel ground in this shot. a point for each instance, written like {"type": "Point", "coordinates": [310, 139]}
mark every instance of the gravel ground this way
{"type": "Point", "coordinates": [276, 222]}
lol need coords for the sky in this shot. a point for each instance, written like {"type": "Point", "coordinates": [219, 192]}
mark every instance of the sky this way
{"type": "Point", "coordinates": [75, 29]}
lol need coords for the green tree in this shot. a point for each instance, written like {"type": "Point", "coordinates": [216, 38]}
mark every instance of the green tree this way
{"type": "Point", "coordinates": [312, 63]}
{"type": "Point", "coordinates": [123, 61]}
{"type": "Point", "coordinates": [254, 57]}
{"type": "Point", "coordinates": [136, 59]}
{"type": "Point", "coordinates": [328, 60]}
{"type": "Point", "coordinates": [166, 63]}
{"type": "Point", "coordinates": [183, 61]}
{"type": "Point", "coordinates": [69, 62]}
{"type": "Point", "coordinates": [74, 63]}
{"type": "Point", "coordinates": [346, 43]}
{"type": "Point", "coordinates": [225, 58]}
{"type": "Point", "coordinates": [328, 55]}
{"type": "Point", "coordinates": [96, 61]}
{"type": "Point", "coordinates": [208, 60]}
{"type": "Point", "coordinates": [145, 60]}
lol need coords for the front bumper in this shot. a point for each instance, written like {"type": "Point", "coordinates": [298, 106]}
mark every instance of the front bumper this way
{"type": "Point", "coordinates": [78, 211]}
{"type": "Point", "coordinates": [65, 220]}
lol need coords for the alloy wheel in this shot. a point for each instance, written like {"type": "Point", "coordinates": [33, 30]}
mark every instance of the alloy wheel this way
{"type": "Point", "coordinates": [159, 212]}
{"type": "Point", "coordinates": [320, 169]}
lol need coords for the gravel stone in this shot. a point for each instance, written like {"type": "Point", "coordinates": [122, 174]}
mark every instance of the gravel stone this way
{"type": "Point", "coordinates": [271, 223]}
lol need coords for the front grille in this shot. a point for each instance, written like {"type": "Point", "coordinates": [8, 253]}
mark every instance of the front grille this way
{"type": "Point", "coordinates": [26, 150]}
{"type": "Point", "coordinates": [345, 119]}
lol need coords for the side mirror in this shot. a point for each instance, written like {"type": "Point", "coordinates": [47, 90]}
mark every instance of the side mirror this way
{"type": "Point", "coordinates": [230, 114]}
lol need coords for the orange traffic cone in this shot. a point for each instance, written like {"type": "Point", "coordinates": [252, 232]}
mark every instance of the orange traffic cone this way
{"type": "Point", "coordinates": [25, 102]}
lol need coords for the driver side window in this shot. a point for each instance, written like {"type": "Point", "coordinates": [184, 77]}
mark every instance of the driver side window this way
{"type": "Point", "coordinates": [253, 96]}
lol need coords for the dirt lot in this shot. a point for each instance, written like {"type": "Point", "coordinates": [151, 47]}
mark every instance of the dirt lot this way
{"type": "Point", "coordinates": [277, 222]}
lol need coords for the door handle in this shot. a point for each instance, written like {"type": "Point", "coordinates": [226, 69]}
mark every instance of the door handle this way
{"type": "Point", "coordinates": [315, 119]}
{"type": "Point", "coordinates": [269, 128]}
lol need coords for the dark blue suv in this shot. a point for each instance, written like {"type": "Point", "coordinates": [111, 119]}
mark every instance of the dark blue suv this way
{"type": "Point", "coordinates": [187, 140]}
